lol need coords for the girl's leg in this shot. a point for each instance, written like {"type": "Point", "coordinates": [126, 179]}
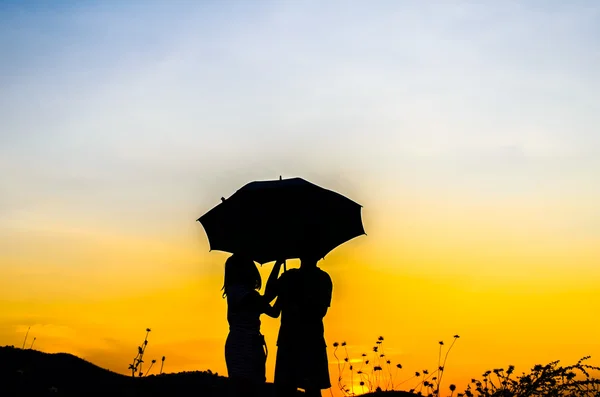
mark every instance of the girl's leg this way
{"type": "Point", "coordinates": [244, 387]}
{"type": "Point", "coordinates": [234, 387]}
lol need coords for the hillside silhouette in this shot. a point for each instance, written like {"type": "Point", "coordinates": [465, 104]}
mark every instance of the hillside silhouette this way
{"type": "Point", "coordinates": [27, 372]}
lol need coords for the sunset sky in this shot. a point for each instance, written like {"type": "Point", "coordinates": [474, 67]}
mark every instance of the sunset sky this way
{"type": "Point", "coordinates": [469, 133]}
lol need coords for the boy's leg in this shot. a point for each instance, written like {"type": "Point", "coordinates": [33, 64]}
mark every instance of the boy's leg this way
{"type": "Point", "coordinates": [285, 390]}
{"type": "Point", "coordinates": [312, 392]}
{"type": "Point", "coordinates": [285, 371]}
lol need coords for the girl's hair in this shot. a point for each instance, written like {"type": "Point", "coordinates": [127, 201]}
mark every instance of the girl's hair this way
{"type": "Point", "coordinates": [241, 270]}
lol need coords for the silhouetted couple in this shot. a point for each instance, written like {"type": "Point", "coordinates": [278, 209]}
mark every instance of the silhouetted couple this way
{"type": "Point", "coordinates": [303, 297]}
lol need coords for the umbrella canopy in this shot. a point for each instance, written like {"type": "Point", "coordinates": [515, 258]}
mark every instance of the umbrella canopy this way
{"type": "Point", "coordinates": [282, 219]}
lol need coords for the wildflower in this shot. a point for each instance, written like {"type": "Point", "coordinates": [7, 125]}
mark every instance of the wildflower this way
{"type": "Point", "coordinates": [399, 366]}
{"type": "Point", "coordinates": [335, 344]}
{"type": "Point", "coordinates": [380, 338]}
{"type": "Point", "coordinates": [425, 372]}
{"type": "Point", "coordinates": [456, 336]}
{"type": "Point", "coordinates": [343, 344]}
{"type": "Point", "coordinates": [148, 330]}
{"type": "Point", "coordinates": [362, 383]}
{"type": "Point", "coordinates": [375, 348]}
{"type": "Point", "coordinates": [417, 374]}
{"type": "Point", "coordinates": [388, 362]}
{"type": "Point", "coordinates": [364, 355]}
{"type": "Point", "coordinates": [452, 387]}
{"type": "Point", "coordinates": [441, 343]}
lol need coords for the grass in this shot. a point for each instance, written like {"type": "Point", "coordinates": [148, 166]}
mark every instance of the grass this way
{"type": "Point", "coordinates": [136, 367]}
{"type": "Point", "coordinates": [380, 377]}
{"type": "Point", "coordinates": [377, 373]}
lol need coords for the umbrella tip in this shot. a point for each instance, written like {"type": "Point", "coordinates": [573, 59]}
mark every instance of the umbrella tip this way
{"type": "Point", "coordinates": [223, 199]}
{"type": "Point", "coordinates": [280, 178]}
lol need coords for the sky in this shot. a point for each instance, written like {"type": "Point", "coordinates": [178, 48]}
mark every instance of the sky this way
{"type": "Point", "coordinates": [469, 133]}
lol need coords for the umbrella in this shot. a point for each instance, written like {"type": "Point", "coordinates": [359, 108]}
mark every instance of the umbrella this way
{"type": "Point", "coordinates": [282, 219]}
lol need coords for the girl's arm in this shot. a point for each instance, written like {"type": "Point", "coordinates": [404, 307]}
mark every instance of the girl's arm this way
{"type": "Point", "coordinates": [256, 302]}
{"type": "Point", "coordinates": [272, 311]}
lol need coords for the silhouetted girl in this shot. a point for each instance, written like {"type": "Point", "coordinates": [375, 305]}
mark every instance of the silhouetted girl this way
{"type": "Point", "coordinates": [245, 353]}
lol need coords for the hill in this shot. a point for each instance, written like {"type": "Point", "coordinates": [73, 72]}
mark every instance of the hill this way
{"type": "Point", "coordinates": [26, 372]}
{"type": "Point", "coordinates": [34, 373]}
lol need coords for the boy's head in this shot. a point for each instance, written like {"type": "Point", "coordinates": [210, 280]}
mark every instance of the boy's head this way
{"type": "Point", "coordinates": [309, 260]}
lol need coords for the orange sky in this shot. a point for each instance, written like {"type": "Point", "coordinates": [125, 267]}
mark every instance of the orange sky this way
{"type": "Point", "coordinates": [425, 272]}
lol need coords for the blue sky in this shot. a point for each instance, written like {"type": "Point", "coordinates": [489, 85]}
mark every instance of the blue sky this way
{"type": "Point", "coordinates": [107, 104]}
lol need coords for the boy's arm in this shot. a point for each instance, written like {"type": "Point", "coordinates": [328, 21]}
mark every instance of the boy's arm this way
{"type": "Point", "coordinates": [272, 288]}
{"type": "Point", "coordinates": [327, 292]}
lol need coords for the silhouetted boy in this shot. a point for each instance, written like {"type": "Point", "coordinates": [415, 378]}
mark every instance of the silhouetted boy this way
{"type": "Point", "coordinates": [303, 296]}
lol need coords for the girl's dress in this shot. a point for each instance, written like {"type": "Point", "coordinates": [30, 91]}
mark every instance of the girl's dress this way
{"type": "Point", "coordinates": [245, 348]}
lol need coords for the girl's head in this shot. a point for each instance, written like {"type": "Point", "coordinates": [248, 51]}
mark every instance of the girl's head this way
{"type": "Point", "coordinates": [241, 270]}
